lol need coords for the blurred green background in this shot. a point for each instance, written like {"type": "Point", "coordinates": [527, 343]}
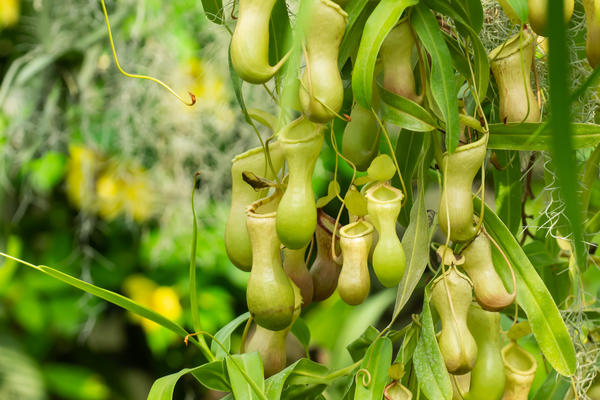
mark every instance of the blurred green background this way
{"type": "Point", "coordinates": [96, 175]}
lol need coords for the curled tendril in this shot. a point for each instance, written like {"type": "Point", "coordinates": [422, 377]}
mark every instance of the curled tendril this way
{"type": "Point", "coordinates": [366, 375]}
{"type": "Point", "coordinates": [136, 76]}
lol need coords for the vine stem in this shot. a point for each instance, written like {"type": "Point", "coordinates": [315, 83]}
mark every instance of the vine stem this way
{"type": "Point", "coordinates": [137, 76]}
{"type": "Point", "coordinates": [389, 143]}
{"type": "Point", "coordinates": [193, 289]}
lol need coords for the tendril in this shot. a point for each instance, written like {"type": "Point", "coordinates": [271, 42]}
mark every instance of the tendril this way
{"type": "Point", "coordinates": [137, 76]}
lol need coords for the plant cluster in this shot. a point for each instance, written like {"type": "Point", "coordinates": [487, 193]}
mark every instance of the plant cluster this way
{"type": "Point", "coordinates": [393, 97]}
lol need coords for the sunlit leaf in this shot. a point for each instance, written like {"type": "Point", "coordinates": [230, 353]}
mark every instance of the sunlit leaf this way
{"type": "Point", "coordinates": [508, 189]}
{"type": "Point", "coordinates": [224, 335]}
{"type": "Point", "coordinates": [415, 240]}
{"type": "Point", "coordinates": [443, 85]}
{"type": "Point", "coordinates": [240, 367]}
{"type": "Point", "coordinates": [432, 375]}
{"type": "Point", "coordinates": [355, 202]}
{"type": "Point", "coordinates": [377, 361]}
{"type": "Point", "coordinates": [212, 375]}
{"type": "Point", "coordinates": [516, 136]}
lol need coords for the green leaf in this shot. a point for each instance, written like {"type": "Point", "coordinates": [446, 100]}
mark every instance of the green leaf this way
{"type": "Point", "coordinates": [380, 23]}
{"type": "Point", "coordinates": [240, 367]}
{"type": "Point", "coordinates": [355, 202]}
{"type": "Point", "coordinates": [274, 385]}
{"type": "Point", "coordinates": [279, 31]}
{"type": "Point", "coordinates": [211, 375]}
{"type": "Point", "coordinates": [508, 188]}
{"type": "Point", "coordinates": [429, 365]}
{"type": "Point", "coordinates": [224, 336]}
{"type": "Point", "coordinates": [309, 372]}
{"type": "Point", "coordinates": [532, 296]}
{"type": "Point", "coordinates": [481, 66]}
{"type": "Point", "coordinates": [358, 12]}
{"type": "Point", "coordinates": [404, 112]}
{"type": "Point", "coordinates": [415, 240]}
{"type": "Point", "coordinates": [555, 387]}
{"type": "Point", "coordinates": [443, 85]}
{"type": "Point", "coordinates": [516, 8]}
{"type": "Point", "coordinates": [358, 348]}
{"type": "Point", "coordinates": [377, 361]}
{"type": "Point", "coordinates": [213, 9]}
{"type": "Point", "coordinates": [382, 168]}
{"type": "Point", "coordinates": [333, 189]}
{"type": "Point", "coordinates": [474, 11]}
{"type": "Point", "coordinates": [563, 156]}
{"type": "Point", "coordinates": [408, 150]}
{"type": "Point", "coordinates": [302, 333]}
{"type": "Point", "coordinates": [515, 136]}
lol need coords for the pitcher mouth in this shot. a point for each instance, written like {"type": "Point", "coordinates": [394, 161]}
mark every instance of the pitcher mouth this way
{"type": "Point", "coordinates": [336, 7]}
{"type": "Point", "coordinates": [356, 229]}
{"type": "Point", "coordinates": [316, 130]}
{"type": "Point", "coordinates": [513, 347]}
{"type": "Point", "coordinates": [252, 152]}
{"type": "Point", "coordinates": [253, 211]}
{"type": "Point", "coordinates": [481, 142]}
{"type": "Point", "coordinates": [383, 193]}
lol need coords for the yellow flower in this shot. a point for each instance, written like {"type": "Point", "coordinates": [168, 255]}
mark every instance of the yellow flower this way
{"type": "Point", "coordinates": [82, 168]}
{"type": "Point", "coordinates": [162, 299]}
{"type": "Point", "coordinates": [108, 190]}
{"type": "Point", "coordinates": [9, 12]}
{"type": "Point", "coordinates": [207, 85]}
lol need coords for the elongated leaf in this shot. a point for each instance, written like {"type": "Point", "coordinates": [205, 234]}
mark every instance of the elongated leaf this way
{"type": "Point", "coordinates": [519, 8]}
{"type": "Point", "coordinates": [237, 83]}
{"type": "Point", "coordinates": [212, 375]}
{"type": "Point", "coordinates": [114, 298]}
{"type": "Point", "coordinates": [429, 365]}
{"type": "Point", "coordinates": [442, 81]}
{"type": "Point", "coordinates": [302, 333]}
{"type": "Point", "coordinates": [279, 28]}
{"type": "Point", "coordinates": [377, 361]}
{"type": "Point", "coordinates": [555, 387]}
{"type": "Point", "coordinates": [508, 188]}
{"type": "Point", "coordinates": [358, 13]}
{"type": "Point", "coordinates": [240, 386]}
{"type": "Point", "coordinates": [474, 11]}
{"type": "Point", "coordinates": [358, 348]}
{"type": "Point", "coordinates": [213, 9]}
{"type": "Point", "coordinates": [415, 240]}
{"type": "Point", "coordinates": [274, 385]}
{"type": "Point", "coordinates": [309, 373]}
{"type": "Point", "coordinates": [562, 145]}
{"type": "Point", "coordinates": [408, 151]}
{"type": "Point", "coordinates": [380, 23]}
{"type": "Point", "coordinates": [515, 136]}
{"type": "Point", "coordinates": [532, 295]}
{"type": "Point", "coordinates": [279, 31]}
{"type": "Point", "coordinates": [405, 113]}
{"type": "Point", "coordinates": [481, 66]}
{"type": "Point", "coordinates": [224, 335]}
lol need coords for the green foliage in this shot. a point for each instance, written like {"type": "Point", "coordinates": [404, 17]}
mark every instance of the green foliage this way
{"type": "Point", "coordinates": [131, 160]}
